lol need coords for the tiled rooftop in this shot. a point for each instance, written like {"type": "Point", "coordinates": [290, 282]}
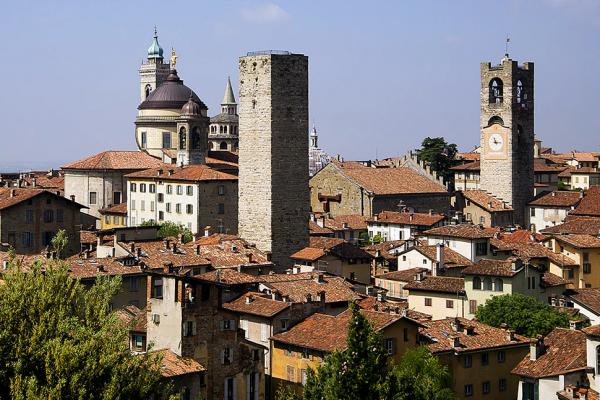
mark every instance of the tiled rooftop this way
{"type": "Point", "coordinates": [174, 365]}
{"type": "Point", "coordinates": [576, 224]}
{"type": "Point", "coordinates": [465, 231]}
{"type": "Point", "coordinates": [556, 199]}
{"type": "Point", "coordinates": [116, 160]}
{"type": "Point", "coordinates": [320, 246]}
{"type": "Point", "coordinates": [296, 286]}
{"type": "Point", "coordinates": [407, 218]}
{"type": "Point", "coordinates": [442, 284]}
{"type": "Point", "coordinates": [256, 304]}
{"type": "Point", "coordinates": [451, 257]}
{"type": "Point", "coordinates": [590, 204]}
{"type": "Point", "coordinates": [493, 268]}
{"type": "Point", "coordinates": [190, 173]}
{"type": "Point", "coordinates": [486, 201]}
{"type": "Point", "coordinates": [580, 241]}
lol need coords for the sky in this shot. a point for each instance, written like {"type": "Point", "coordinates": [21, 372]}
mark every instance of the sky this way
{"type": "Point", "coordinates": [383, 75]}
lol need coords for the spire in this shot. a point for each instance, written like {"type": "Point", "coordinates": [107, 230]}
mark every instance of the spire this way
{"type": "Point", "coordinates": [228, 97]}
{"type": "Point", "coordinates": [314, 138]}
{"type": "Point", "coordinates": [155, 51]}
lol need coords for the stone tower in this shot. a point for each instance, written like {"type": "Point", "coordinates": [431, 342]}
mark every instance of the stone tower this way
{"type": "Point", "coordinates": [154, 71]}
{"type": "Point", "coordinates": [274, 199]}
{"type": "Point", "coordinates": [192, 134]}
{"type": "Point", "coordinates": [507, 133]}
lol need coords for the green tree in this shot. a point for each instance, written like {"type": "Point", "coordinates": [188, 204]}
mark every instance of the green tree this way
{"type": "Point", "coordinates": [524, 314]}
{"type": "Point", "coordinates": [359, 372]}
{"type": "Point", "coordinates": [59, 242]}
{"type": "Point", "coordinates": [58, 339]}
{"type": "Point", "coordinates": [168, 229]}
{"type": "Point", "coordinates": [419, 376]}
{"type": "Point", "coordinates": [377, 239]}
{"type": "Point", "coordinates": [439, 155]}
{"type": "Point", "coordinates": [284, 392]}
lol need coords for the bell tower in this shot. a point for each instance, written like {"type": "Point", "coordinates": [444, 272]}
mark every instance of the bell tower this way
{"type": "Point", "coordinates": [192, 134]}
{"type": "Point", "coordinates": [154, 71]}
{"type": "Point", "coordinates": [507, 133]}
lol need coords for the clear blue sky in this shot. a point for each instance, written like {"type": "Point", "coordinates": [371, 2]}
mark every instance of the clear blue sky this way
{"type": "Point", "coordinates": [383, 75]}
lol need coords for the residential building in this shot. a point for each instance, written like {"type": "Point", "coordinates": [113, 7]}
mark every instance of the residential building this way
{"type": "Point", "coordinates": [98, 181]}
{"type": "Point", "coordinates": [437, 259]}
{"type": "Point", "coordinates": [223, 131]}
{"type": "Point", "coordinates": [590, 204]}
{"type": "Point", "coordinates": [553, 363]}
{"type": "Point", "coordinates": [393, 225]}
{"type": "Point", "coordinates": [579, 178]}
{"type": "Point", "coordinates": [467, 176]}
{"type": "Point", "coordinates": [343, 188]}
{"type": "Point", "coordinates": [114, 216]}
{"type": "Point", "coordinates": [575, 224]}
{"type": "Point", "coordinates": [585, 300]}
{"type": "Point", "coordinates": [585, 251]}
{"type": "Point", "coordinates": [394, 282]}
{"type": "Point", "coordinates": [30, 218]}
{"type": "Point", "coordinates": [551, 208]}
{"type": "Point", "coordinates": [479, 357]}
{"type": "Point", "coordinates": [307, 344]}
{"type": "Point", "coordinates": [470, 241]}
{"type": "Point", "coordinates": [438, 296]}
{"type": "Point", "coordinates": [352, 228]}
{"type": "Point", "coordinates": [194, 196]}
{"type": "Point", "coordinates": [479, 207]}
{"type": "Point", "coordinates": [335, 256]}
{"type": "Point", "coordinates": [385, 255]}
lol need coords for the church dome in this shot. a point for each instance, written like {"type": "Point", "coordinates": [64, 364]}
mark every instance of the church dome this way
{"type": "Point", "coordinates": [172, 94]}
{"type": "Point", "coordinates": [191, 107]}
{"type": "Point", "coordinates": [155, 51]}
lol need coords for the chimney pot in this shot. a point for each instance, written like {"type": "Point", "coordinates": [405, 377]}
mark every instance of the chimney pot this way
{"type": "Point", "coordinates": [269, 256]}
{"type": "Point", "coordinates": [132, 247]}
{"type": "Point", "coordinates": [167, 244]}
{"type": "Point", "coordinates": [250, 258]}
{"type": "Point", "coordinates": [249, 299]}
{"type": "Point", "coordinates": [207, 231]}
{"type": "Point", "coordinates": [13, 193]}
{"type": "Point", "coordinates": [174, 246]}
{"type": "Point", "coordinates": [138, 251]}
{"type": "Point", "coordinates": [72, 197]}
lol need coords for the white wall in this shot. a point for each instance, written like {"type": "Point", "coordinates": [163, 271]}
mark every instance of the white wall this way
{"type": "Point", "coordinates": [546, 217]}
{"type": "Point", "coordinates": [167, 334]}
{"type": "Point", "coordinates": [438, 309]}
{"type": "Point", "coordinates": [389, 232]}
{"type": "Point", "coordinates": [464, 247]}
{"type": "Point", "coordinates": [413, 259]}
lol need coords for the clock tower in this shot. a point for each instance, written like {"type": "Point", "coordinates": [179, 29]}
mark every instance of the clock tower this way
{"type": "Point", "coordinates": [507, 135]}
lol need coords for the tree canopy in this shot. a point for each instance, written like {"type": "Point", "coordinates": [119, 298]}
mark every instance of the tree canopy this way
{"type": "Point", "coordinates": [170, 229]}
{"type": "Point", "coordinates": [439, 155]}
{"type": "Point", "coordinates": [524, 314]}
{"type": "Point", "coordinates": [58, 339]}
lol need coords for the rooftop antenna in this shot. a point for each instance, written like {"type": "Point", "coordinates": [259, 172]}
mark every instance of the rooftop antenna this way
{"type": "Point", "coordinates": [506, 46]}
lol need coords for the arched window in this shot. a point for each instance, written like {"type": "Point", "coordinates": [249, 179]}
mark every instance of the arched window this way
{"type": "Point", "coordinates": [487, 284]}
{"type": "Point", "coordinates": [196, 138]}
{"type": "Point", "coordinates": [495, 120]}
{"type": "Point", "coordinates": [519, 91]}
{"type": "Point", "coordinates": [182, 138]}
{"type": "Point", "coordinates": [477, 283]}
{"type": "Point", "coordinates": [223, 146]}
{"type": "Point", "coordinates": [498, 285]}
{"type": "Point", "coordinates": [147, 90]}
{"type": "Point", "coordinates": [496, 90]}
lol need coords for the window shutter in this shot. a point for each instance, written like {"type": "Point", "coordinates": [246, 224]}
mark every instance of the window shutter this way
{"type": "Point", "coordinates": [223, 363]}
{"type": "Point", "coordinates": [185, 329]}
{"type": "Point", "coordinates": [225, 389]}
{"type": "Point", "coordinates": [222, 325]}
{"type": "Point", "coordinates": [194, 328]}
{"type": "Point", "coordinates": [231, 355]}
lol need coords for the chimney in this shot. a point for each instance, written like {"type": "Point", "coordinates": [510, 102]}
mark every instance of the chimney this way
{"type": "Point", "coordinates": [454, 340]}
{"type": "Point", "coordinates": [249, 299]}
{"type": "Point", "coordinates": [419, 276]}
{"type": "Point", "coordinates": [34, 182]}
{"type": "Point", "coordinates": [430, 211]}
{"type": "Point", "coordinates": [440, 255]}
{"type": "Point", "coordinates": [581, 194]}
{"type": "Point", "coordinates": [381, 296]}
{"type": "Point", "coordinates": [321, 221]}
{"type": "Point", "coordinates": [171, 172]}
{"type": "Point", "coordinates": [132, 247]}
{"type": "Point", "coordinates": [575, 325]}
{"type": "Point", "coordinates": [100, 268]}
{"type": "Point", "coordinates": [13, 192]}
{"type": "Point", "coordinates": [174, 246]}
{"type": "Point", "coordinates": [319, 278]}
{"type": "Point", "coordinates": [207, 231]}
{"type": "Point", "coordinates": [411, 217]}
{"type": "Point", "coordinates": [159, 172]}
{"type": "Point", "coordinates": [138, 252]}
{"type": "Point", "coordinates": [377, 253]}
{"type": "Point", "coordinates": [72, 197]}
{"type": "Point", "coordinates": [269, 256]}
{"type": "Point", "coordinates": [489, 204]}
{"type": "Point", "coordinates": [322, 298]}
{"type": "Point", "coordinates": [197, 249]}
{"type": "Point", "coordinates": [376, 217]}
{"type": "Point", "coordinates": [181, 238]}
{"type": "Point", "coordinates": [455, 324]}
{"type": "Point", "coordinates": [344, 225]}
{"type": "Point", "coordinates": [553, 301]}
{"type": "Point", "coordinates": [167, 244]}
{"type": "Point", "coordinates": [583, 394]}
{"type": "Point", "coordinates": [250, 258]}
{"type": "Point", "coordinates": [553, 194]}
{"type": "Point", "coordinates": [275, 294]}
{"type": "Point", "coordinates": [308, 298]}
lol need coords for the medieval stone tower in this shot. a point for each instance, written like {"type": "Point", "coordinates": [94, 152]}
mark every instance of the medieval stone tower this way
{"type": "Point", "coordinates": [274, 199]}
{"type": "Point", "coordinates": [507, 133]}
{"type": "Point", "coordinates": [154, 71]}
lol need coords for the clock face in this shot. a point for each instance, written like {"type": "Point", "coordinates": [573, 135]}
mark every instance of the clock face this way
{"type": "Point", "coordinates": [496, 142]}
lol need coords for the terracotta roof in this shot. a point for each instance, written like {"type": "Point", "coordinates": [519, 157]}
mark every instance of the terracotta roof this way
{"type": "Point", "coordinates": [316, 229]}
{"type": "Point", "coordinates": [155, 254]}
{"type": "Point", "coordinates": [115, 209]}
{"type": "Point", "coordinates": [133, 318]}
{"type": "Point", "coordinates": [579, 171]}
{"type": "Point", "coordinates": [580, 241]}
{"type": "Point", "coordinates": [328, 333]}
{"type": "Point", "coordinates": [384, 248]}
{"type": "Point", "coordinates": [405, 275]}
{"type": "Point", "coordinates": [472, 166]}
{"type": "Point", "coordinates": [472, 336]}
{"type": "Point", "coordinates": [521, 236]}
{"type": "Point", "coordinates": [7, 200]}
{"type": "Point", "coordinates": [578, 393]}
{"type": "Point", "coordinates": [565, 351]}
{"type": "Point", "coordinates": [531, 251]}
{"type": "Point", "coordinates": [320, 246]}
{"type": "Point", "coordinates": [371, 303]}
{"type": "Point", "coordinates": [486, 201]}
{"type": "Point", "coordinates": [588, 297]}
{"type": "Point", "coordinates": [590, 204]}
{"type": "Point", "coordinates": [465, 231]}
{"type": "Point", "coordinates": [191, 173]}
{"type": "Point", "coordinates": [593, 330]}
{"type": "Point", "coordinates": [492, 268]}
{"type": "Point", "coordinates": [297, 286]}
{"type": "Point", "coordinates": [576, 225]}
{"type": "Point", "coordinates": [228, 251]}
{"type": "Point", "coordinates": [451, 257]}
{"type": "Point", "coordinates": [309, 254]}
{"type": "Point", "coordinates": [551, 280]}
{"type": "Point", "coordinates": [174, 365]}
{"type": "Point", "coordinates": [45, 179]}
{"type": "Point", "coordinates": [588, 156]}
{"type": "Point", "coordinates": [120, 160]}
{"type": "Point", "coordinates": [468, 156]}
{"type": "Point", "coordinates": [441, 284]}
{"type": "Point", "coordinates": [228, 277]}
{"type": "Point", "coordinates": [87, 237]}
{"type": "Point", "coordinates": [407, 218]}
{"type": "Point", "coordinates": [540, 165]}
{"type": "Point", "coordinates": [257, 304]}
{"type": "Point", "coordinates": [354, 222]}
{"type": "Point", "coordinates": [383, 181]}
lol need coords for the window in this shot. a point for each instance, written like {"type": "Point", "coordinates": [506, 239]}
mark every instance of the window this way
{"type": "Point", "coordinates": [107, 219]}
{"type": "Point", "coordinates": [29, 216]}
{"type": "Point", "coordinates": [133, 204]}
{"type": "Point", "coordinates": [487, 283]}
{"type": "Point", "coordinates": [133, 284]}
{"type": "Point", "coordinates": [161, 215]}
{"type": "Point", "coordinates": [144, 136]}
{"type": "Point", "coordinates": [303, 377]}
{"type": "Point", "coordinates": [166, 140]}
{"type": "Point", "coordinates": [485, 387]}
{"type": "Point", "coordinates": [48, 216]}
{"type": "Point", "coordinates": [449, 303]}
{"type": "Point", "coordinates": [290, 373]}
{"type": "Point", "coordinates": [531, 282]}
{"type": "Point", "coordinates": [481, 249]}
{"type": "Point", "coordinates": [169, 189]}
{"type": "Point", "coordinates": [182, 138]}
{"type": "Point", "coordinates": [115, 220]}
{"type": "Point", "coordinates": [137, 342]}
{"type": "Point", "coordinates": [168, 207]}
{"type": "Point", "coordinates": [229, 389]}
{"type": "Point", "coordinates": [472, 306]}
{"type": "Point", "coordinates": [221, 208]}
{"type": "Point", "coordinates": [427, 302]}
{"type": "Point", "coordinates": [476, 283]}
{"type": "Point", "coordinates": [142, 188]}
{"type": "Point", "coordinates": [157, 287]}
{"type": "Point", "coordinates": [221, 190]}
{"type": "Point", "coordinates": [264, 332]}
{"type": "Point", "coordinates": [93, 197]}
{"type": "Point", "coordinates": [305, 353]}
{"type": "Point", "coordinates": [284, 324]}
{"type": "Point", "coordinates": [482, 220]}
{"type": "Point", "coordinates": [468, 390]}
{"type": "Point", "coordinates": [389, 346]}
{"type": "Point", "coordinates": [498, 285]}
{"type": "Point", "coordinates": [468, 361]}
{"type": "Point", "coordinates": [226, 356]}
{"type": "Point", "coordinates": [179, 189]}
{"type": "Point", "coordinates": [571, 274]}
{"type": "Point", "coordinates": [152, 188]}
{"type": "Point", "coordinates": [143, 205]}
{"type": "Point", "coordinates": [533, 211]}
{"type": "Point", "coordinates": [501, 356]}
{"type": "Point", "coordinates": [132, 186]}
{"type": "Point", "coordinates": [189, 190]}
{"type": "Point", "coordinates": [485, 358]}
{"type": "Point", "coordinates": [495, 91]}
{"type": "Point", "coordinates": [403, 258]}
{"type": "Point", "coordinates": [161, 197]}
{"type": "Point", "coordinates": [502, 385]}
{"type": "Point", "coordinates": [405, 334]}
{"type": "Point", "coordinates": [424, 261]}
{"type": "Point", "coordinates": [189, 209]}
{"type": "Point", "coordinates": [178, 208]}
{"type": "Point", "coordinates": [27, 239]}
{"type": "Point", "coordinates": [587, 266]}
{"type": "Point", "coordinates": [189, 328]}
{"type": "Point", "coordinates": [152, 205]}
{"type": "Point", "coordinates": [116, 197]}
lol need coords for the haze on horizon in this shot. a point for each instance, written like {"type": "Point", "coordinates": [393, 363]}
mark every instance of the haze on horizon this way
{"type": "Point", "coordinates": [383, 75]}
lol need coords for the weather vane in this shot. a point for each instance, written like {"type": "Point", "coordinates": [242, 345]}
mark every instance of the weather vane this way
{"type": "Point", "coordinates": [173, 58]}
